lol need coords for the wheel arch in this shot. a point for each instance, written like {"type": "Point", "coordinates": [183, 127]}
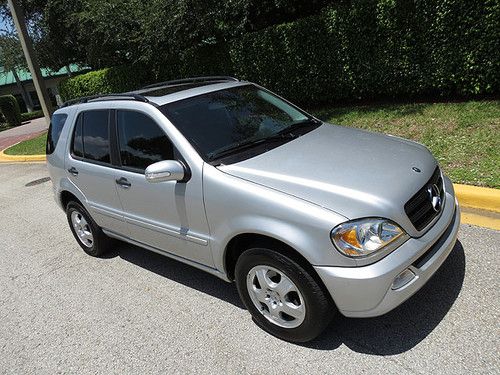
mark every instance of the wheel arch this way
{"type": "Point", "coordinates": [244, 241]}
{"type": "Point", "coordinates": [66, 196]}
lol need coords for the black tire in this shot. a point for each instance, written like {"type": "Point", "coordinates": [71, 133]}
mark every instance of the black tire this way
{"type": "Point", "coordinates": [100, 242]}
{"type": "Point", "coordinates": [320, 309]}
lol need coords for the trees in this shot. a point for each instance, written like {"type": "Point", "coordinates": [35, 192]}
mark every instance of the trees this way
{"type": "Point", "coordinates": [116, 32]}
{"type": "Point", "coordinates": [12, 59]}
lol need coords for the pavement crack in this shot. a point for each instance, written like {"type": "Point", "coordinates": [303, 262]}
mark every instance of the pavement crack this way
{"type": "Point", "coordinates": [62, 266]}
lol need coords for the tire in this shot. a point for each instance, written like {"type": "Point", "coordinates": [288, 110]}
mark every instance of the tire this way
{"type": "Point", "coordinates": [269, 305]}
{"type": "Point", "coordinates": [97, 243]}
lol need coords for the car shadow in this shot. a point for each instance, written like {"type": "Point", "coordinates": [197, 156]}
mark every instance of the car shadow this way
{"type": "Point", "coordinates": [393, 333]}
{"type": "Point", "coordinates": [404, 327]}
{"type": "Point", "coordinates": [178, 272]}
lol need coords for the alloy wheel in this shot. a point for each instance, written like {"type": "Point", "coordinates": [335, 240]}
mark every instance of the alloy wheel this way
{"type": "Point", "coordinates": [276, 296]}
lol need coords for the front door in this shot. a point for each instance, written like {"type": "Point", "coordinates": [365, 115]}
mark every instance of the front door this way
{"type": "Point", "coordinates": [168, 216]}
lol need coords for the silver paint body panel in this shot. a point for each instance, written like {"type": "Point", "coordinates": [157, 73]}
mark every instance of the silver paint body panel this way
{"type": "Point", "coordinates": [295, 193]}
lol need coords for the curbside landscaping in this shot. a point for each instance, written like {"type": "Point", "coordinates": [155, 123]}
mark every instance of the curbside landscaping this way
{"type": "Point", "coordinates": [478, 197]}
{"type": "Point", "coordinates": [4, 158]}
{"type": "Point", "coordinates": [480, 206]}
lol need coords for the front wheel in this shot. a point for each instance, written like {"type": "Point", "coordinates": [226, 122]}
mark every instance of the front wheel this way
{"type": "Point", "coordinates": [283, 298]}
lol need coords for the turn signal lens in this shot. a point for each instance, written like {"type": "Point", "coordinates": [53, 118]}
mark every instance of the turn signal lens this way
{"type": "Point", "coordinates": [402, 279]}
{"type": "Point", "coordinates": [363, 237]}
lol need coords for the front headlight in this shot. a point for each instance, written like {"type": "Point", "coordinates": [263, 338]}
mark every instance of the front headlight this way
{"type": "Point", "coordinates": [360, 238]}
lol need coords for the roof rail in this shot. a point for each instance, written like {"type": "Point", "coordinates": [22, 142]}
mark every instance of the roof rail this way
{"type": "Point", "coordinates": [104, 97]}
{"type": "Point", "coordinates": [190, 80]}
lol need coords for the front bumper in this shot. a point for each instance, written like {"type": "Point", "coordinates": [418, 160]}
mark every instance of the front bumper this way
{"type": "Point", "coordinates": [366, 291]}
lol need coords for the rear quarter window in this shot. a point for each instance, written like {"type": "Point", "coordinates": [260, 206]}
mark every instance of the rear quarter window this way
{"type": "Point", "coordinates": [91, 136]}
{"type": "Point", "coordinates": [55, 128]}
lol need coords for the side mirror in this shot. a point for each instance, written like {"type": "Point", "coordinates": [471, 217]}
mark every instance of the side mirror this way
{"type": "Point", "coordinates": [166, 170]}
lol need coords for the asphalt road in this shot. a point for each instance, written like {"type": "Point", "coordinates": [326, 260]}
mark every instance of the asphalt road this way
{"type": "Point", "coordinates": [137, 312]}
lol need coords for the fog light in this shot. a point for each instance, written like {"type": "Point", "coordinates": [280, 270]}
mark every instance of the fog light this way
{"type": "Point", "coordinates": [402, 279]}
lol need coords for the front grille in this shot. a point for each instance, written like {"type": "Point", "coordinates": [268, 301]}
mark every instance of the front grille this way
{"type": "Point", "coordinates": [419, 208]}
{"type": "Point", "coordinates": [424, 258]}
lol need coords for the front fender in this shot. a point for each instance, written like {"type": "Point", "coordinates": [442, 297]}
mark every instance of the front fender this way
{"type": "Point", "coordinates": [236, 206]}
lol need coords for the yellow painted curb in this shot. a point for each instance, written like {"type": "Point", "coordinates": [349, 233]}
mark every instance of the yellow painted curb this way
{"type": "Point", "coordinates": [479, 220]}
{"type": "Point", "coordinates": [20, 158]}
{"type": "Point", "coordinates": [478, 197]}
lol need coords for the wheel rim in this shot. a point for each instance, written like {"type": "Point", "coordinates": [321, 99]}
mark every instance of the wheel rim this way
{"type": "Point", "coordinates": [82, 229]}
{"type": "Point", "coordinates": [276, 296]}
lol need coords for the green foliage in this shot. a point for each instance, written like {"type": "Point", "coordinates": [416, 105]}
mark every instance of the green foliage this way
{"type": "Point", "coordinates": [104, 81]}
{"type": "Point", "coordinates": [11, 54]}
{"type": "Point", "coordinates": [351, 50]}
{"type": "Point", "coordinates": [10, 110]}
{"type": "Point", "coordinates": [31, 115]}
{"type": "Point", "coordinates": [368, 49]}
{"type": "Point", "coordinates": [33, 146]}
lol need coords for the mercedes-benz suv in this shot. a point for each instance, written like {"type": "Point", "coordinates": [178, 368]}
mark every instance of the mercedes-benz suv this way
{"type": "Point", "coordinates": [306, 217]}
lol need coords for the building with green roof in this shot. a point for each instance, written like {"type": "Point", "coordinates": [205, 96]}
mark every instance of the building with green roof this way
{"type": "Point", "coordinates": [22, 86]}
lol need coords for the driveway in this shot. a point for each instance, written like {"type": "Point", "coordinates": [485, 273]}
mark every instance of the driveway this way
{"type": "Point", "coordinates": [137, 312]}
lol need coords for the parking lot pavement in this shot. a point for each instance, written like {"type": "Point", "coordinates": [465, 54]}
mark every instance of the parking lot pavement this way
{"type": "Point", "coordinates": [137, 312]}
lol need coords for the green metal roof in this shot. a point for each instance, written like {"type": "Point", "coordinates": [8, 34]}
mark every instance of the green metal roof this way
{"type": "Point", "coordinates": [7, 77]}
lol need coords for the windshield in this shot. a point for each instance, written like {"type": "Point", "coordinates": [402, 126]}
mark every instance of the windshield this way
{"type": "Point", "coordinates": [226, 119]}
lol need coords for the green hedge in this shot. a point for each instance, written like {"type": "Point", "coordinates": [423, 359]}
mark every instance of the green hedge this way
{"type": "Point", "coordinates": [104, 81]}
{"type": "Point", "coordinates": [368, 49]}
{"type": "Point", "coordinates": [10, 110]}
{"type": "Point", "coordinates": [362, 49]}
{"type": "Point", "coordinates": [27, 116]}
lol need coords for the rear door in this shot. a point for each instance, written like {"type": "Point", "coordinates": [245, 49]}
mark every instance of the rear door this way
{"type": "Point", "coordinates": [89, 167]}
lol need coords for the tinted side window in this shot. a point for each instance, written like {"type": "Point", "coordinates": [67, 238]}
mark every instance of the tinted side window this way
{"type": "Point", "coordinates": [77, 145]}
{"type": "Point", "coordinates": [142, 142]}
{"type": "Point", "coordinates": [55, 129]}
{"type": "Point", "coordinates": [91, 136]}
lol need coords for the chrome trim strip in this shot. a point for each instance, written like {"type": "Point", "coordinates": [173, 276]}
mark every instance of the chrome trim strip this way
{"type": "Point", "coordinates": [106, 211]}
{"type": "Point", "coordinates": [178, 233]}
{"type": "Point", "coordinates": [165, 230]}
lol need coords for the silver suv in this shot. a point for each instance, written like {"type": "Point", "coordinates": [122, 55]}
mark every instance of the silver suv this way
{"type": "Point", "coordinates": [306, 217]}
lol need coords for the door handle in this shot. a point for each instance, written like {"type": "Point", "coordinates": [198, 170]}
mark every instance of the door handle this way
{"type": "Point", "coordinates": [123, 182]}
{"type": "Point", "coordinates": [73, 171]}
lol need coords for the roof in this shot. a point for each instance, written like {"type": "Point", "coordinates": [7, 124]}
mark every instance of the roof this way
{"type": "Point", "coordinates": [166, 92]}
{"type": "Point", "coordinates": [187, 93]}
{"type": "Point", "coordinates": [7, 77]}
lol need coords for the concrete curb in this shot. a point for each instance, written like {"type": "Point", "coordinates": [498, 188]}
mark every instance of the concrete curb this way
{"type": "Point", "coordinates": [478, 197]}
{"type": "Point", "coordinates": [4, 158]}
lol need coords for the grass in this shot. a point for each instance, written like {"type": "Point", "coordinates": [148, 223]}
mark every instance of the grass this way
{"type": "Point", "coordinates": [464, 137]}
{"type": "Point", "coordinates": [34, 146]}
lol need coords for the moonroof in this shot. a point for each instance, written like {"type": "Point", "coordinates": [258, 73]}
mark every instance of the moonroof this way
{"type": "Point", "coordinates": [161, 91]}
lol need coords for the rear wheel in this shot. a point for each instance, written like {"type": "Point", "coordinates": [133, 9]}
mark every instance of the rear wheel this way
{"type": "Point", "coordinates": [283, 298]}
{"type": "Point", "coordinates": [87, 233]}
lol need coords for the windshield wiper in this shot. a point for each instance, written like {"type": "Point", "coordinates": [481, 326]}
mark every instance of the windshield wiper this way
{"type": "Point", "coordinates": [285, 133]}
{"type": "Point", "coordinates": [235, 148]}
{"type": "Point", "coordinates": [300, 125]}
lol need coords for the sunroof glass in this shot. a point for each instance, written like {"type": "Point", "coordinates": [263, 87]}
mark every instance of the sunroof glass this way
{"type": "Point", "coordinates": [176, 88]}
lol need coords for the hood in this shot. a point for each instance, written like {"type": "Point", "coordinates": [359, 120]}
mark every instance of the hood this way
{"type": "Point", "coordinates": [352, 172]}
